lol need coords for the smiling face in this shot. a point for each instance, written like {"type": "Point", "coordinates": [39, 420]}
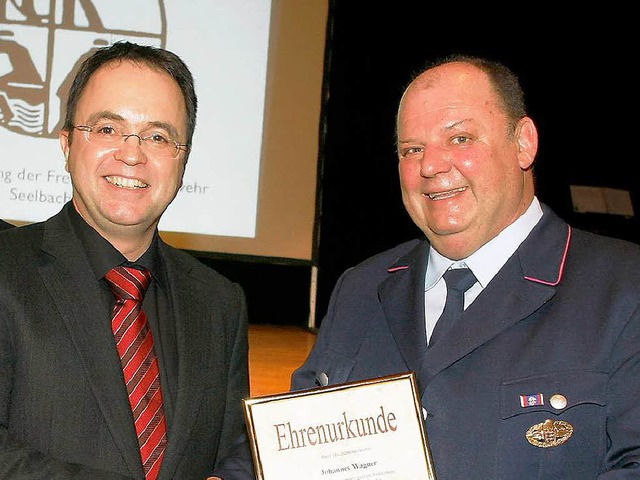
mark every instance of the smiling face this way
{"type": "Point", "coordinates": [464, 169]}
{"type": "Point", "coordinates": [122, 191]}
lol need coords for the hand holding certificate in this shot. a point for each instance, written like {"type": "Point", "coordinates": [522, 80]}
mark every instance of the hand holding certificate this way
{"type": "Point", "coordinates": [353, 431]}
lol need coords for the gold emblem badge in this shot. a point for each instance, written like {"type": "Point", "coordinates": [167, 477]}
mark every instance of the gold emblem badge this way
{"type": "Point", "coordinates": [549, 433]}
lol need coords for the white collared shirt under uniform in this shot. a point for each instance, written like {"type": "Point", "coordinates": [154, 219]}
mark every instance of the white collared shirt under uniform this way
{"type": "Point", "coordinates": [484, 263]}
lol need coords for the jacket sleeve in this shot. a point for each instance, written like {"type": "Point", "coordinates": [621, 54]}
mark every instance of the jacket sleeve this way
{"type": "Point", "coordinates": [235, 462]}
{"type": "Point", "coordinates": [622, 460]}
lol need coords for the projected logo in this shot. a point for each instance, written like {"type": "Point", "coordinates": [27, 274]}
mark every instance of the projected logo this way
{"type": "Point", "coordinates": [42, 43]}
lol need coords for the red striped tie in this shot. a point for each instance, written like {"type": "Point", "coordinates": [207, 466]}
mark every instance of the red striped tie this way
{"type": "Point", "coordinates": [139, 363]}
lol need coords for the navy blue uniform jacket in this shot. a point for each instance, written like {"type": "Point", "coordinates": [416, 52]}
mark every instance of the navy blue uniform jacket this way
{"type": "Point", "coordinates": [561, 317]}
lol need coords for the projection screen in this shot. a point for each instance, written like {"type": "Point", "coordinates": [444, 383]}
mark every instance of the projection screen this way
{"type": "Point", "coordinates": [250, 184]}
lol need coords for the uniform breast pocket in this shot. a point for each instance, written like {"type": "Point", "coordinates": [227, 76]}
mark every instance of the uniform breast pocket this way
{"type": "Point", "coordinates": [553, 424]}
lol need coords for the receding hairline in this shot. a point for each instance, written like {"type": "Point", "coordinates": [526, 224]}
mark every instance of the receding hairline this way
{"type": "Point", "coordinates": [429, 77]}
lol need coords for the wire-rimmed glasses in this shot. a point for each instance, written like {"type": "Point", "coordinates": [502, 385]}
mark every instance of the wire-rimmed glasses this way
{"type": "Point", "coordinates": [154, 142]}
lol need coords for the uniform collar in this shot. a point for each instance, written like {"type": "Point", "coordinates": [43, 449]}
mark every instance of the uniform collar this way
{"type": "Point", "coordinates": [488, 259]}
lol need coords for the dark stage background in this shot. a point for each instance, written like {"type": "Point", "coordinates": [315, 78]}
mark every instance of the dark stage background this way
{"type": "Point", "coordinates": [576, 73]}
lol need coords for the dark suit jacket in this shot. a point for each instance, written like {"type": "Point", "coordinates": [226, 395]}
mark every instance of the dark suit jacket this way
{"type": "Point", "coordinates": [64, 412]}
{"type": "Point", "coordinates": [561, 317]}
{"type": "Point", "coordinates": [4, 225]}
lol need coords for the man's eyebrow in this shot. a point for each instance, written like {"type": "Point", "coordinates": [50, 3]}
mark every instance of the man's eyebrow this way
{"type": "Point", "coordinates": [104, 115]}
{"type": "Point", "coordinates": [165, 126]}
{"type": "Point", "coordinates": [458, 123]}
{"type": "Point", "coordinates": [449, 126]}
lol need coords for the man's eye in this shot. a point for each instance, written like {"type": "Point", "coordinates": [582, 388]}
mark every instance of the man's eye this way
{"type": "Point", "coordinates": [411, 151]}
{"type": "Point", "coordinates": [460, 139]}
{"type": "Point", "coordinates": [106, 130]}
{"type": "Point", "coordinates": [156, 138]}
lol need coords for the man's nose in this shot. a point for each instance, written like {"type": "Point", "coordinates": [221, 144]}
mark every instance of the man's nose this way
{"type": "Point", "coordinates": [434, 160]}
{"type": "Point", "coordinates": [131, 152]}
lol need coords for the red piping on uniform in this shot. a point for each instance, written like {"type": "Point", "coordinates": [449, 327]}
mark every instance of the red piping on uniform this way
{"type": "Point", "coordinates": [395, 269]}
{"type": "Point", "coordinates": [561, 271]}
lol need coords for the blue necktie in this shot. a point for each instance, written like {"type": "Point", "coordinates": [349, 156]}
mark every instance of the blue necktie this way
{"type": "Point", "coordinates": [458, 281]}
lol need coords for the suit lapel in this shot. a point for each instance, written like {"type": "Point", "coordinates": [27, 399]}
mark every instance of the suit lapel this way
{"type": "Point", "coordinates": [195, 348]}
{"type": "Point", "coordinates": [524, 283]}
{"type": "Point", "coordinates": [402, 298]}
{"type": "Point", "coordinates": [75, 294]}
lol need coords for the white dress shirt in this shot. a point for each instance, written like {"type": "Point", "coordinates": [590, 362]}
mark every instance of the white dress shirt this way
{"type": "Point", "coordinates": [484, 263]}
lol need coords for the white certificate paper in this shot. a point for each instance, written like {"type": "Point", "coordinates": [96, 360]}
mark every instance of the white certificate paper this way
{"type": "Point", "coordinates": [355, 431]}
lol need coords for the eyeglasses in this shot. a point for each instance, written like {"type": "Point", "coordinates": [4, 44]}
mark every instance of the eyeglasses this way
{"type": "Point", "coordinates": [155, 143]}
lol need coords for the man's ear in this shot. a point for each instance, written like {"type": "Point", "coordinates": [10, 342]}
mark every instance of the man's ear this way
{"type": "Point", "coordinates": [527, 141]}
{"type": "Point", "coordinates": [63, 137]}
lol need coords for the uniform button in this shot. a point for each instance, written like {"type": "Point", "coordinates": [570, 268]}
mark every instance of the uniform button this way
{"type": "Point", "coordinates": [323, 379]}
{"type": "Point", "coordinates": [424, 413]}
{"type": "Point", "coordinates": [558, 401]}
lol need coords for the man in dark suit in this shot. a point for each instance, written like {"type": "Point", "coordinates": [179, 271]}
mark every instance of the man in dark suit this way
{"type": "Point", "coordinates": [4, 225]}
{"type": "Point", "coordinates": [539, 377]}
{"type": "Point", "coordinates": [65, 411]}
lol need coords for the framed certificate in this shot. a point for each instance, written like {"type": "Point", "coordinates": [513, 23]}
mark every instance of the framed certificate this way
{"type": "Point", "coordinates": [371, 429]}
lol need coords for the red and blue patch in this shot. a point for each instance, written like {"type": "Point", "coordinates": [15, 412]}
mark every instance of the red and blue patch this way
{"type": "Point", "coordinates": [531, 400]}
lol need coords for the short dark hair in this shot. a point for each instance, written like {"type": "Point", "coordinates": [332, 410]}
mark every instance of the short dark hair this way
{"type": "Point", "coordinates": [154, 57]}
